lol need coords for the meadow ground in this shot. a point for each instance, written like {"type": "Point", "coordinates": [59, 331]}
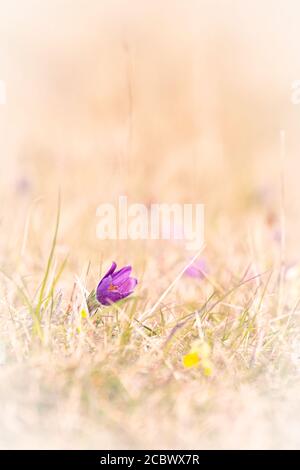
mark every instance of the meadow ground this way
{"type": "Point", "coordinates": [161, 103]}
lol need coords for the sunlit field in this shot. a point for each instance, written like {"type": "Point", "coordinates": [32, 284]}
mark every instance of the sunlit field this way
{"type": "Point", "coordinates": [161, 102]}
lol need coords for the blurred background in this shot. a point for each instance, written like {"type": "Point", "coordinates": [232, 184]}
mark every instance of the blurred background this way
{"type": "Point", "coordinates": [167, 101]}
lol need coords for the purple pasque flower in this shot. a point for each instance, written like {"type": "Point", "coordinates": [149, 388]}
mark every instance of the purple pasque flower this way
{"type": "Point", "coordinates": [198, 269]}
{"type": "Point", "coordinates": [115, 285]}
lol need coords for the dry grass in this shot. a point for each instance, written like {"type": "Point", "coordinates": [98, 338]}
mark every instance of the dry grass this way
{"type": "Point", "coordinates": [144, 102]}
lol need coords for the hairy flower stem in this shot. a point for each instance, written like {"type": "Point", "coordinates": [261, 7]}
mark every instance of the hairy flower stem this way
{"type": "Point", "coordinates": [92, 303]}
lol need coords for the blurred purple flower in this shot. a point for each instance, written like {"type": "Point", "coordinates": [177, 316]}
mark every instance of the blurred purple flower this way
{"type": "Point", "coordinates": [277, 235]}
{"type": "Point", "coordinates": [115, 285]}
{"type": "Point", "coordinates": [197, 270]}
{"type": "Point", "coordinates": [23, 185]}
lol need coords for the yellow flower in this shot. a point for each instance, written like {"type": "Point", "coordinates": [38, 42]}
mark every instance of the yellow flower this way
{"type": "Point", "coordinates": [191, 359]}
{"type": "Point", "coordinates": [199, 356]}
{"type": "Point", "coordinates": [83, 313]}
{"type": "Point", "coordinates": [207, 367]}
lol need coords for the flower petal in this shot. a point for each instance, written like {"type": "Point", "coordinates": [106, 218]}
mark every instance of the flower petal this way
{"type": "Point", "coordinates": [197, 269]}
{"type": "Point", "coordinates": [191, 360]}
{"type": "Point", "coordinates": [102, 289]}
{"type": "Point", "coordinates": [120, 276]}
{"type": "Point", "coordinates": [111, 270]}
{"type": "Point", "coordinates": [128, 286]}
{"type": "Point", "coordinates": [112, 297]}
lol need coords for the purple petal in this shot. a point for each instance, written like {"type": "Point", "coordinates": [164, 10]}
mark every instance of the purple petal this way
{"type": "Point", "coordinates": [128, 286]}
{"type": "Point", "coordinates": [102, 289]}
{"type": "Point", "coordinates": [111, 270]}
{"type": "Point", "coordinates": [111, 297]}
{"type": "Point", "coordinates": [120, 276]}
{"type": "Point", "coordinates": [197, 269]}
